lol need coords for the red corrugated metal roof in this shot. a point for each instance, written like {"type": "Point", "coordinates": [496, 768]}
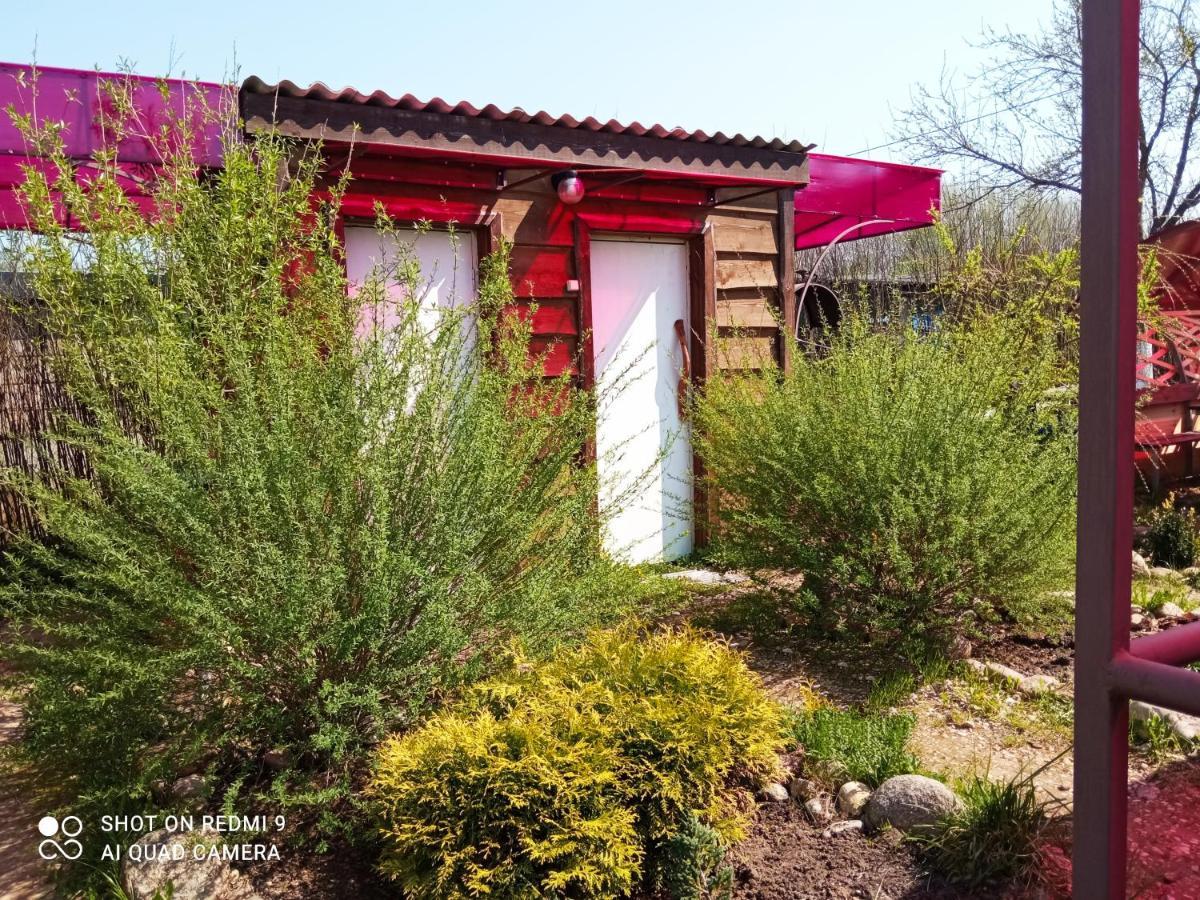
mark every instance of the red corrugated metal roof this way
{"type": "Point", "coordinates": [319, 91]}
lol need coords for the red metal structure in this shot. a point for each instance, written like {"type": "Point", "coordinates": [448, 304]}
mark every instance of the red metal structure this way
{"type": "Point", "coordinates": [1110, 670]}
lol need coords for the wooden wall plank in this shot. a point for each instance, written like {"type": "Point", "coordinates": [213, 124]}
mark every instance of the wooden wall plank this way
{"type": "Point", "coordinates": [746, 351]}
{"type": "Point", "coordinates": [746, 313]}
{"type": "Point", "coordinates": [746, 273]}
{"type": "Point", "coordinates": [744, 234]}
{"type": "Point", "coordinates": [558, 354]}
{"type": "Point", "coordinates": [539, 271]}
{"type": "Point", "coordinates": [552, 316]}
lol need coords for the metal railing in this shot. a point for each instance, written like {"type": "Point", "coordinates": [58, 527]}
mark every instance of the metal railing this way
{"type": "Point", "coordinates": [1110, 669]}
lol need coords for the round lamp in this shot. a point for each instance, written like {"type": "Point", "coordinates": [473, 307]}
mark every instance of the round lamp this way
{"type": "Point", "coordinates": [568, 186]}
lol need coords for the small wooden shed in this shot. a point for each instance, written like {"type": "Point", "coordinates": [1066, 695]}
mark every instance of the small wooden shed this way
{"type": "Point", "coordinates": [629, 240]}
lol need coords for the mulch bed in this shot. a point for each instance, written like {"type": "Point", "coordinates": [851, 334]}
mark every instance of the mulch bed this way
{"type": "Point", "coordinates": [1044, 655]}
{"type": "Point", "coordinates": [786, 857]}
{"type": "Point", "coordinates": [341, 872]}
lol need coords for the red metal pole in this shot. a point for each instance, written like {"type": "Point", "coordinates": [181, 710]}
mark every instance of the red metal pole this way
{"type": "Point", "coordinates": [1108, 308]}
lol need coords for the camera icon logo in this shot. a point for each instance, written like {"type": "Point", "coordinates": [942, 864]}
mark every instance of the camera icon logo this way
{"type": "Point", "coordinates": [70, 828]}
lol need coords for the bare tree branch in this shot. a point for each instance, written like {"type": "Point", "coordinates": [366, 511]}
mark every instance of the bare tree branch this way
{"type": "Point", "coordinates": [1017, 118]}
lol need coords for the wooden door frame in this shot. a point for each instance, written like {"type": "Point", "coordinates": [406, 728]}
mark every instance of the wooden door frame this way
{"type": "Point", "coordinates": [702, 310]}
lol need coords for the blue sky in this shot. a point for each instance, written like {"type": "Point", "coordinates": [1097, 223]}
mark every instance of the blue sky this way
{"type": "Point", "coordinates": [829, 72]}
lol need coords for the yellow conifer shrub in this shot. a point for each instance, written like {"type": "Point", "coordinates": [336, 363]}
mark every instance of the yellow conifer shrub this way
{"type": "Point", "coordinates": [570, 776]}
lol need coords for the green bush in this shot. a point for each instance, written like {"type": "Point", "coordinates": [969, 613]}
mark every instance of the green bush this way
{"type": "Point", "coordinates": [670, 729]}
{"type": "Point", "coordinates": [297, 534]}
{"type": "Point", "coordinates": [993, 837]}
{"type": "Point", "coordinates": [515, 807]}
{"type": "Point", "coordinates": [1170, 536]}
{"type": "Point", "coordinates": [917, 481]}
{"type": "Point", "coordinates": [849, 745]}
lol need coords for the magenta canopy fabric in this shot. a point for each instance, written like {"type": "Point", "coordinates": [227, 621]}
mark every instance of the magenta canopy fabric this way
{"type": "Point", "coordinates": [845, 191]}
{"type": "Point", "coordinates": [78, 99]}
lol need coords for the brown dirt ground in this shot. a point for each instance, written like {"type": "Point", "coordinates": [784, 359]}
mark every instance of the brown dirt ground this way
{"type": "Point", "coordinates": [23, 875]}
{"type": "Point", "coordinates": [785, 857]}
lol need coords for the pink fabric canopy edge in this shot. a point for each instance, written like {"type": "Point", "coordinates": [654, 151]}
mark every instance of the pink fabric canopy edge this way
{"type": "Point", "coordinates": [846, 191]}
{"type": "Point", "coordinates": [77, 98]}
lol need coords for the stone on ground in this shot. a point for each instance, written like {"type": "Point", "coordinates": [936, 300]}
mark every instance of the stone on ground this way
{"type": "Point", "coordinates": [1184, 726]}
{"type": "Point", "coordinates": [1163, 572]}
{"type": "Point", "coordinates": [1141, 568]}
{"type": "Point", "coordinates": [820, 810]}
{"type": "Point", "coordinates": [802, 789]}
{"type": "Point", "coordinates": [165, 867]}
{"type": "Point", "coordinates": [708, 576]}
{"type": "Point", "coordinates": [189, 787]}
{"type": "Point", "coordinates": [850, 826]}
{"type": "Point", "coordinates": [851, 798]}
{"type": "Point", "coordinates": [996, 671]}
{"type": "Point", "coordinates": [908, 802]}
{"type": "Point", "coordinates": [1032, 685]}
{"type": "Point", "coordinates": [774, 793]}
{"type": "Point", "coordinates": [1171, 610]}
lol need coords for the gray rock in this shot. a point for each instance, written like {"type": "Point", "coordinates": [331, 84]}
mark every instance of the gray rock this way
{"type": "Point", "coordinates": [774, 793]}
{"type": "Point", "coordinates": [707, 576]}
{"type": "Point", "coordinates": [1141, 568]}
{"type": "Point", "coordinates": [1164, 572]}
{"type": "Point", "coordinates": [189, 787]}
{"type": "Point", "coordinates": [163, 865]}
{"type": "Point", "coordinates": [1032, 685]}
{"type": "Point", "coordinates": [1184, 726]}
{"type": "Point", "coordinates": [848, 827]}
{"type": "Point", "coordinates": [851, 798]}
{"type": "Point", "coordinates": [996, 671]}
{"type": "Point", "coordinates": [1136, 620]}
{"type": "Point", "coordinates": [1190, 572]}
{"type": "Point", "coordinates": [820, 810]}
{"type": "Point", "coordinates": [908, 802]}
{"type": "Point", "coordinates": [1171, 610]}
{"type": "Point", "coordinates": [802, 789]}
{"type": "Point", "coordinates": [960, 648]}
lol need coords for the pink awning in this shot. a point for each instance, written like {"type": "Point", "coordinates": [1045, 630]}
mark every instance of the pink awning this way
{"type": "Point", "coordinates": [77, 98]}
{"type": "Point", "coordinates": [845, 192]}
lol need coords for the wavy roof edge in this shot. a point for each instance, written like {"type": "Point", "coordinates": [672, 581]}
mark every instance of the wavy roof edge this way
{"type": "Point", "coordinates": [319, 91]}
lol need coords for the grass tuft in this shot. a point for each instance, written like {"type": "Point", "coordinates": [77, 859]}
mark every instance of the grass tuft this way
{"type": "Point", "coordinates": [853, 745]}
{"type": "Point", "coordinates": [994, 836]}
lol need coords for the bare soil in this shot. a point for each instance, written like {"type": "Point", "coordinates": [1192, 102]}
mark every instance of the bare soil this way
{"type": "Point", "coordinates": [786, 856]}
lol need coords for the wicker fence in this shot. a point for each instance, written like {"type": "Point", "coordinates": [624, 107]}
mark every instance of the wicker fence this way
{"type": "Point", "coordinates": [32, 406]}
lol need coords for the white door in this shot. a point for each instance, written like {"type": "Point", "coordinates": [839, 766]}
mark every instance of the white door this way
{"type": "Point", "coordinates": [639, 292]}
{"type": "Point", "coordinates": [448, 264]}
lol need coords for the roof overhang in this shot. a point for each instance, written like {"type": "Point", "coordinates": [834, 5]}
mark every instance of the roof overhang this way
{"type": "Point", "coordinates": [848, 198]}
{"type": "Point", "coordinates": [516, 143]}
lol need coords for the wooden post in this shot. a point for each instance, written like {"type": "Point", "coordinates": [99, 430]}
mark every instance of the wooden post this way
{"type": "Point", "coordinates": [1108, 311]}
{"type": "Point", "coordinates": [785, 231]}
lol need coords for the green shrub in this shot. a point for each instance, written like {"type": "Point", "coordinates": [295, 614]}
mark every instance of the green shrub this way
{"type": "Point", "coordinates": [690, 865]}
{"type": "Point", "coordinates": [297, 534]}
{"type": "Point", "coordinates": [916, 480]}
{"type": "Point", "coordinates": [994, 837]}
{"type": "Point", "coordinates": [504, 808]}
{"type": "Point", "coordinates": [1170, 536]}
{"type": "Point", "coordinates": [853, 745]}
{"type": "Point", "coordinates": [673, 728]}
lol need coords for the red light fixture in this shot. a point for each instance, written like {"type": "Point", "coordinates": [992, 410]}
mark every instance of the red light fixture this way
{"type": "Point", "coordinates": [568, 185]}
